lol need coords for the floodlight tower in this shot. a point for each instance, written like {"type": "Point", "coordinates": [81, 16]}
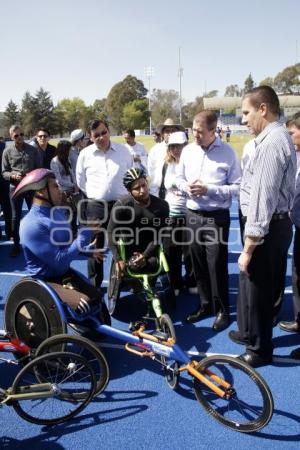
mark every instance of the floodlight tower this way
{"type": "Point", "coordinates": [180, 74]}
{"type": "Point", "coordinates": [149, 72]}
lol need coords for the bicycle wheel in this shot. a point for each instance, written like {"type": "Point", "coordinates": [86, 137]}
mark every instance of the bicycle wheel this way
{"type": "Point", "coordinates": [31, 314]}
{"type": "Point", "coordinates": [67, 374]}
{"type": "Point", "coordinates": [248, 403]}
{"type": "Point", "coordinates": [83, 347]}
{"type": "Point", "coordinates": [113, 289]}
{"type": "Point", "coordinates": [170, 368]}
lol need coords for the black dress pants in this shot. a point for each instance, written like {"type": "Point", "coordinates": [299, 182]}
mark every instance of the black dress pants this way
{"type": "Point", "coordinates": [209, 231]}
{"type": "Point", "coordinates": [97, 214]}
{"type": "Point", "coordinates": [257, 293]}
{"type": "Point", "coordinates": [6, 206]}
{"type": "Point", "coordinates": [175, 248]}
{"type": "Point", "coordinates": [280, 282]}
{"type": "Point", "coordinates": [296, 274]}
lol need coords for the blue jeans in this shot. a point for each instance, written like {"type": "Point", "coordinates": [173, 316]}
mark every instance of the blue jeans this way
{"type": "Point", "coordinates": [16, 207]}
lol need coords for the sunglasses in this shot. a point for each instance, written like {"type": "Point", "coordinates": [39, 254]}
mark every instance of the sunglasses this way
{"type": "Point", "coordinates": [18, 135]}
{"type": "Point", "coordinates": [175, 146]}
{"type": "Point", "coordinates": [43, 136]}
{"type": "Point", "coordinates": [102, 133]}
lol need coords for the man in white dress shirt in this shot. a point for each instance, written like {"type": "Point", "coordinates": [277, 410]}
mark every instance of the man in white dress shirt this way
{"type": "Point", "coordinates": [99, 174]}
{"type": "Point", "coordinates": [137, 150]}
{"type": "Point", "coordinates": [209, 172]}
{"type": "Point", "coordinates": [158, 152]}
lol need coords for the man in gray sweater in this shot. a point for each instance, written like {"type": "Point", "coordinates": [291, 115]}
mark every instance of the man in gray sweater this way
{"type": "Point", "coordinates": [18, 159]}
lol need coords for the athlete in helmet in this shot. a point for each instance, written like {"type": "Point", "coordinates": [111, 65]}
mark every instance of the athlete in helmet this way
{"type": "Point", "coordinates": [138, 219]}
{"type": "Point", "coordinates": [45, 234]}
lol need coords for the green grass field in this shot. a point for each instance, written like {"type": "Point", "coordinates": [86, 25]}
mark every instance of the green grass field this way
{"type": "Point", "coordinates": [237, 141]}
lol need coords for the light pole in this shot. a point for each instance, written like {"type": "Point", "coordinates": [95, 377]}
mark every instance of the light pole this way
{"type": "Point", "coordinates": [180, 73]}
{"type": "Point", "coordinates": [149, 72]}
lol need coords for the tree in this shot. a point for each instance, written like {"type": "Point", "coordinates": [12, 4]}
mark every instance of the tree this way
{"type": "Point", "coordinates": [164, 104]}
{"type": "Point", "coordinates": [11, 114]}
{"type": "Point", "coordinates": [99, 108]}
{"type": "Point", "coordinates": [74, 113]}
{"type": "Point", "coordinates": [210, 94]}
{"type": "Point", "coordinates": [28, 113]}
{"type": "Point", "coordinates": [44, 110]}
{"type": "Point", "coordinates": [190, 110]}
{"type": "Point", "coordinates": [124, 92]}
{"type": "Point", "coordinates": [59, 122]}
{"type": "Point", "coordinates": [249, 84]}
{"type": "Point", "coordinates": [287, 81]}
{"type": "Point", "coordinates": [232, 91]}
{"type": "Point", "coordinates": [135, 115]}
{"type": "Point", "coordinates": [269, 81]}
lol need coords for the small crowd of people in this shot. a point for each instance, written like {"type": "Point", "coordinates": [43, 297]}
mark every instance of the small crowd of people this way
{"type": "Point", "coordinates": [179, 196]}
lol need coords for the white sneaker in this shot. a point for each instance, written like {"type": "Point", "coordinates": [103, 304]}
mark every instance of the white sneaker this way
{"type": "Point", "coordinates": [193, 290]}
{"type": "Point", "coordinates": [176, 292]}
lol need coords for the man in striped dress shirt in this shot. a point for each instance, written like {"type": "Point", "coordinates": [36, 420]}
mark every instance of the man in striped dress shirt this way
{"type": "Point", "coordinates": [293, 125]}
{"type": "Point", "coordinates": [266, 196]}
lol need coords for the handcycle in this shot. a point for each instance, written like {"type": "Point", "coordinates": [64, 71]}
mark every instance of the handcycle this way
{"type": "Point", "coordinates": [229, 390]}
{"type": "Point", "coordinates": [51, 387]}
{"type": "Point", "coordinates": [143, 285]}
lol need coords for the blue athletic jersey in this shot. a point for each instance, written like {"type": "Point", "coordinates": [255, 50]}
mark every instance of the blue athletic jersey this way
{"type": "Point", "coordinates": [46, 240]}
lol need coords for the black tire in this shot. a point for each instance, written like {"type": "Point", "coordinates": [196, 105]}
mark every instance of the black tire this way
{"type": "Point", "coordinates": [165, 292]}
{"type": "Point", "coordinates": [113, 289]}
{"type": "Point", "coordinates": [83, 347]}
{"type": "Point", "coordinates": [249, 405]}
{"type": "Point", "coordinates": [31, 314]}
{"type": "Point", "coordinates": [68, 373]}
{"type": "Point", "coordinates": [171, 372]}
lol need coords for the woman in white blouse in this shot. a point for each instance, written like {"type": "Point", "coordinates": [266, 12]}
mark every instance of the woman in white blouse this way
{"type": "Point", "coordinates": [174, 245]}
{"type": "Point", "coordinates": [61, 167]}
{"type": "Point", "coordinates": [65, 178]}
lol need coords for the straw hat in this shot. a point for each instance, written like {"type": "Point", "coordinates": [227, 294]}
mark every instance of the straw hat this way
{"type": "Point", "coordinates": [169, 123]}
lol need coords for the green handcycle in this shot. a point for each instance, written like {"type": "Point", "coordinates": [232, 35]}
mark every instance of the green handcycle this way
{"type": "Point", "coordinates": [143, 284]}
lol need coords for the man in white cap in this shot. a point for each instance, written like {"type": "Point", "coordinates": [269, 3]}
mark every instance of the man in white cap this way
{"type": "Point", "coordinates": [158, 152]}
{"type": "Point", "coordinates": [77, 138]}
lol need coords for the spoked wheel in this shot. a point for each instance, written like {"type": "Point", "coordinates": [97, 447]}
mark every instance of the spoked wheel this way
{"type": "Point", "coordinates": [165, 292]}
{"type": "Point", "coordinates": [54, 380]}
{"type": "Point", "coordinates": [31, 314]}
{"type": "Point", "coordinates": [170, 368]}
{"type": "Point", "coordinates": [113, 289]}
{"type": "Point", "coordinates": [248, 403]}
{"type": "Point", "coordinates": [83, 347]}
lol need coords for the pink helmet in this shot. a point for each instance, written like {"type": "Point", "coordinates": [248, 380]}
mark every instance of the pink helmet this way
{"type": "Point", "coordinates": [34, 181]}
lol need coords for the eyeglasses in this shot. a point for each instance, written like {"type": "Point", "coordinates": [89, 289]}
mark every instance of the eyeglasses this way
{"type": "Point", "coordinates": [18, 135]}
{"type": "Point", "coordinates": [43, 136]}
{"type": "Point", "coordinates": [102, 133]}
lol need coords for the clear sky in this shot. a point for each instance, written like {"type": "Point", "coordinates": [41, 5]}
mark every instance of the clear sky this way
{"type": "Point", "coordinates": [83, 47]}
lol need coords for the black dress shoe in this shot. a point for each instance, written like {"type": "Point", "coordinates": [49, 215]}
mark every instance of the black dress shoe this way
{"type": "Point", "coordinates": [221, 322]}
{"type": "Point", "coordinates": [237, 338]}
{"type": "Point", "coordinates": [201, 313]}
{"type": "Point", "coordinates": [256, 360]}
{"type": "Point", "coordinates": [296, 353]}
{"type": "Point", "coordinates": [292, 327]}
